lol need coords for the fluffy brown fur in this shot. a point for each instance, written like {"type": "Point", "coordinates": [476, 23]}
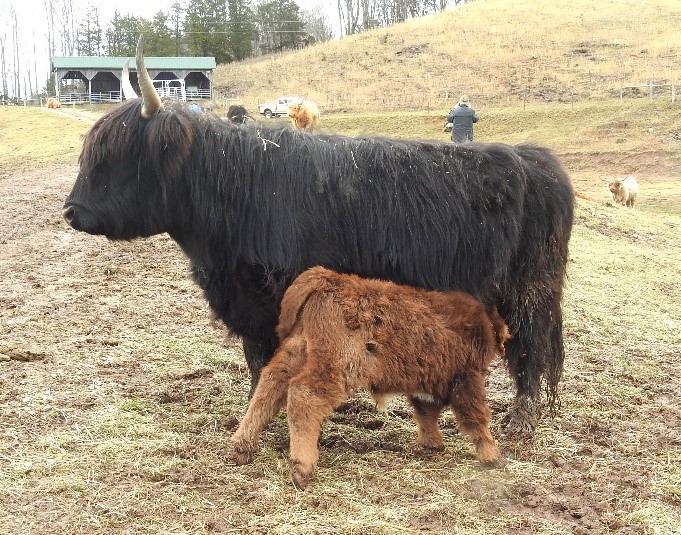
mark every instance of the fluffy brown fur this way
{"type": "Point", "coordinates": [304, 116]}
{"type": "Point", "coordinates": [341, 332]}
{"type": "Point", "coordinates": [53, 103]}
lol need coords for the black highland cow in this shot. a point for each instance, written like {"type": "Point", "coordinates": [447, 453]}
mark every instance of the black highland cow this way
{"type": "Point", "coordinates": [253, 207]}
{"type": "Point", "coordinates": [237, 114]}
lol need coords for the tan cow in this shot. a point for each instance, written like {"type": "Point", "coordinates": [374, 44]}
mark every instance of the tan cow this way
{"type": "Point", "coordinates": [624, 190]}
{"type": "Point", "coordinates": [53, 103]}
{"type": "Point", "coordinates": [304, 115]}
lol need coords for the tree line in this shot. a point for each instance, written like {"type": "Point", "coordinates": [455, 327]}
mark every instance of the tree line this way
{"type": "Point", "coordinates": [229, 30]}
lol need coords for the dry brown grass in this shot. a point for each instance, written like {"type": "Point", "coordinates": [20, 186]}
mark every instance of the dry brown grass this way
{"type": "Point", "coordinates": [32, 137]}
{"type": "Point", "coordinates": [497, 51]}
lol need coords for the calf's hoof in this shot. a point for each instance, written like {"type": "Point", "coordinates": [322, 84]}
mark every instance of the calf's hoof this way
{"type": "Point", "coordinates": [489, 455]}
{"type": "Point", "coordinates": [431, 447]}
{"type": "Point", "coordinates": [300, 477]}
{"type": "Point", "coordinates": [498, 463]}
{"type": "Point", "coordinates": [241, 453]}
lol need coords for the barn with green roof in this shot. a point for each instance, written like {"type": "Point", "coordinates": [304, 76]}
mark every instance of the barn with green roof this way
{"type": "Point", "coordinates": [81, 79]}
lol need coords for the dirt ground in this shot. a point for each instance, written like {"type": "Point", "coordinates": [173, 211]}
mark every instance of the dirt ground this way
{"type": "Point", "coordinates": [117, 396]}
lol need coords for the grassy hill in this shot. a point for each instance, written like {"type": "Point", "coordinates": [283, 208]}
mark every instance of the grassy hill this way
{"type": "Point", "coordinates": [500, 52]}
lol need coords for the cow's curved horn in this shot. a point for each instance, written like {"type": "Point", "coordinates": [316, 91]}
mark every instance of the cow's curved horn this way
{"type": "Point", "coordinates": [151, 102]}
{"type": "Point", "coordinates": [128, 92]}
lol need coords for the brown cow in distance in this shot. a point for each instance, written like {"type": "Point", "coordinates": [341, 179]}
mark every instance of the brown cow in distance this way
{"type": "Point", "coordinates": [304, 115]}
{"type": "Point", "coordinates": [341, 332]}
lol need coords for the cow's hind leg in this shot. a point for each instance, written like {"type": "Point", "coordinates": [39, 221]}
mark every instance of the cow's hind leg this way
{"type": "Point", "coordinates": [308, 404]}
{"type": "Point", "coordinates": [426, 415]}
{"type": "Point", "coordinates": [268, 399]}
{"type": "Point", "coordinates": [469, 403]}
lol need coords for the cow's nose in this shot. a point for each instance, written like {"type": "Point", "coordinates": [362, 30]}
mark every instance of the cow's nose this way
{"type": "Point", "coordinates": [68, 213]}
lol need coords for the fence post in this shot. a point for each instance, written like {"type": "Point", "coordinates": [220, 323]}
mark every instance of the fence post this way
{"type": "Point", "coordinates": [650, 90]}
{"type": "Point", "coordinates": [673, 92]}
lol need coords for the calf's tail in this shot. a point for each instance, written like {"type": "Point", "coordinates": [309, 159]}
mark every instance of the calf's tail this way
{"type": "Point", "coordinates": [293, 302]}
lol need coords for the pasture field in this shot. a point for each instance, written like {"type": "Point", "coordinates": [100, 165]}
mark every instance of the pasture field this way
{"type": "Point", "coordinates": [118, 396]}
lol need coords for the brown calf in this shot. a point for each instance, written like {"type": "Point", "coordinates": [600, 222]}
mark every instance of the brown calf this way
{"type": "Point", "coordinates": [339, 333]}
{"type": "Point", "coordinates": [53, 103]}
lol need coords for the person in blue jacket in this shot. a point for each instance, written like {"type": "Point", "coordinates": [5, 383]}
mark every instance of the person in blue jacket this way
{"type": "Point", "coordinates": [462, 117]}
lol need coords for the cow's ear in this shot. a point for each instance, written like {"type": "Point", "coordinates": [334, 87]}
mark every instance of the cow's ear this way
{"type": "Point", "coordinates": [169, 137]}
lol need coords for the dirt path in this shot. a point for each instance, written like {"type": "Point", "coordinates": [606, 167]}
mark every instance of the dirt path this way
{"type": "Point", "coordinates": [72, 112]}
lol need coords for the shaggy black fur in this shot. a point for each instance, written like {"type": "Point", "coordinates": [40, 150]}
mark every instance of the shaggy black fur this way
{"type": "Point", "coordinates": [237, 114]}
{"type": "Point", "coordinates": [254, 206]}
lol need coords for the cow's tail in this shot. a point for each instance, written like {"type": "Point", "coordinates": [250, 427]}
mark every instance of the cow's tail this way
{"type": "Point", "coordinates": [293, 302]}
{"type": "Point", "coordinates": [500, 330]}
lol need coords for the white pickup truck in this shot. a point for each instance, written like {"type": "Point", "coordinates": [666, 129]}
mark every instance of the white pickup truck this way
{"type": "Point", "coordinates": [277, 108]}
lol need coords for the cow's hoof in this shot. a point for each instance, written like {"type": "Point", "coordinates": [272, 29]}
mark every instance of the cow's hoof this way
{"type": "Point", "coordinates": [522, 418]}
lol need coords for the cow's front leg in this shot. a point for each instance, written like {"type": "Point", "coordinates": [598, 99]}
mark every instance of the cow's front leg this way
{"type": "Point", "coordinates": [258, 353]}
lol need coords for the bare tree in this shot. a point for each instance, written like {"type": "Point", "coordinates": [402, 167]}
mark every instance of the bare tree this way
{"type": "Point", "coordinates": [3, 66]}
{"type": "Point", "coordinates": [359, 15]}
{"type": "Point", "coordinates": [67, 27]}
{"type": "Point", "coordinates": [49, 12]}
{"type": "Point", "coordinates": [317, 25]}
{"type": "Point", "coordinates": [15, 42]}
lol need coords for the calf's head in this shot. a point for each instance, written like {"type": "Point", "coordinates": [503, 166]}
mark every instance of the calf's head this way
{"type": "Point", "coordinates": [130, 164]}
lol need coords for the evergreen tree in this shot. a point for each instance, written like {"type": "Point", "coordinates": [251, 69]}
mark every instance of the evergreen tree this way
{"type": "Point", "coordinates": [242, 29]}
{"type": "Point", "coordinates": [159, 40]}
{"type": "Point", "coordinates": [279, 25]}
{"type": "Point", "coordinates": [89, 39]}
{"type": "Point", "coordinates": [122, 35]}
{"type": "Point", "coordinates": [176, 22]}
{"type": "Point", "coordinates": [206, 29]}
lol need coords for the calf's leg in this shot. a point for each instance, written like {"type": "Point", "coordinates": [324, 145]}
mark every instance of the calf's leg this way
{"type": "Point", "coordinates": [426, 414]}
{"type": "Point", "coordinates": [311, 398]}
{"type": "Point", "coordinates": [469, 403]}
{"type": "Point", "coordinates": [269, 397]}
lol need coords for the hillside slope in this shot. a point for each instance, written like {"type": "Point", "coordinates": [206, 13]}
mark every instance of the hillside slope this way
{"type": "Point", "coordinates": [497, 51]}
